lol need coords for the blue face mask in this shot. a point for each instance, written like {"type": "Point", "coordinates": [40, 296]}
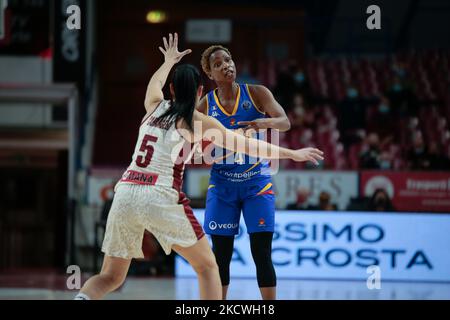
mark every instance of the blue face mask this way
{"type": "Point", "coordinates": [401, 73]}
{"type": "Point", "coordinates": [385, 164]}
{"type": "Point", "coordinates": [352, 93]}
{"type": "Point", "coordinates": [383, 108]}
{"type": "Point", "coordinates": [299, 77]}
{"type": "Point", "coordinates": [397, 87]}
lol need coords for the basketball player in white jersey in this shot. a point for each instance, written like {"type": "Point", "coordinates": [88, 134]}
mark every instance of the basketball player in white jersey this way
{"type": "Point", "coordinates": [149, 194]}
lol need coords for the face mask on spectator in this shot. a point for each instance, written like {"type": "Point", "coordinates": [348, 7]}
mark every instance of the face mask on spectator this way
{"type": "Point", "coordinates": [397, 87]}
{"type": "Point", "coordinates": [383, 108]}
{"type": "Point", "coordinates": [352, 93]}
{"type": "Point", "coordinates": [385, 164]}
{"type": "Point", "coordinates": [299, 77]}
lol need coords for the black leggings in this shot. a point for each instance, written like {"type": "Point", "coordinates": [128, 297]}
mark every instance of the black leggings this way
{"type": "Point", "coordinates": [261, 247]}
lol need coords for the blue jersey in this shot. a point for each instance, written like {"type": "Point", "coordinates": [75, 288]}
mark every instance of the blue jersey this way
{"type": "Point", "coordinates": [230, 166]}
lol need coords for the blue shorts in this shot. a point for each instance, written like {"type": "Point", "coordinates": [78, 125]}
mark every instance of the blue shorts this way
{"type": "Point", "coordinates": [224, 203]}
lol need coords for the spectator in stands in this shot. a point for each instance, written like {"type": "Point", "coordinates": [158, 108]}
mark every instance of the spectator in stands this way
{"type": "Point", "coordinates": [299, 77]}
{"type": "Point", "coordinates": [301, 81]}
{"type": "Point", "coordinates": [437, 160]}
{"type": "Point", "coordinates": [402, 96]}
{"type": "Point", "coordinates": [352, 116]}
{"type": "Point", "coordinates": [245, 75]}
{"type": "Point", "coordinates": [380, 201]}
{"type": "Point", "coordinates": [370, 156]}
{"type": "Point", "coordinates": [386, 161]}
{"type": "Point", "coordinates": [285, 88]}
{"type": "Point", "coordinates": [382, 119]}
{"type": "Point", "coordinates": [417, 157]}
{"type": "Point", "coordinates": [300, 115]}
{"type": "Point", "coordinates": [324, 203]}
{"type": "Point", "coordinates": [297, 113]}
{"type": "Point", "coordinates": [384, 107]}
{"type": "Point", "coordinates": [301, 200]}
{"type": "Point", "coordinates": [399, 69]}
{"type": "Point", "coordinates": [396, 89]}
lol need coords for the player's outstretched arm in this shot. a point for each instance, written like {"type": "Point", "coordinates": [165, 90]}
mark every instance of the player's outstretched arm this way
{"type": "Point", "coordinates": [154, 94]}
{"type": "Point", "coordinates": [213, 130]}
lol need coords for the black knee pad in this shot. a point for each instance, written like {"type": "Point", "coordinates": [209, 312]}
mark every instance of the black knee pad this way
{"type": "Point", "coordinates": [223, 251]}
{"type": "Point", "coordinates": [261, 246]}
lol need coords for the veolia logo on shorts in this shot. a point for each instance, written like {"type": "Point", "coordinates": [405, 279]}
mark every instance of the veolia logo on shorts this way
{"type": "Point", "coordinates": [214, 225]}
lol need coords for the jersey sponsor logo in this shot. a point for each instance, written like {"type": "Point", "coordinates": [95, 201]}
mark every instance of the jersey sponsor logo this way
{"type": "Point", "coordinates": [139, 177]}
{"type": "Point", "coordinates": [246, 105]}
{"type": "Point", "coordinates": [232, 121]}
{"type": "Point", "coordinates": [262, 222]}
{"type": "Point", "coordinates": [215, 114]}
{"type": "Point", "coordinates": [239, 175]}
{"type": "Point", "coordinates": [214, 225]}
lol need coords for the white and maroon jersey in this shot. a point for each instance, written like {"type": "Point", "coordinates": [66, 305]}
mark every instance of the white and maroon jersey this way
{"type": "Point", "coordinates": [160, 153]}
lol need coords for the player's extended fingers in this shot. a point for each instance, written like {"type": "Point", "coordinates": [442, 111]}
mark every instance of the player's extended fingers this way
{"type": "Point", "coordinates": [317, 156]}
{"type": "Point", "coordinates": [317, 151]}
{"type": "Point", "coordinates": [311, 158]}
{"type": "Point", "coordinates": [166, 45]}
{"type": "Point", "coordinates": [313, 153]}
{"type": "Point", "coordinates": [162, 50]}
{"type": "Point", "coordinates": [175, 40]}
{"type": "Point", "coordinates": [170, 40]}
{"type": "Point", "coordinates": [185, 52]}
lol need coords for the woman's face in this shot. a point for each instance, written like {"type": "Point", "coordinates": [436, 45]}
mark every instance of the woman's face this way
{"type": "Point", "coordinates": [381, 198]}
{"type": "Point", "coordinates": [222, 67]}
{"type": "Point", "coordinates": [381, 195]}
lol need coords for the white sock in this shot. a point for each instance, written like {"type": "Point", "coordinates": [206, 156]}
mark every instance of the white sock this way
{"type": "Point", "coordinates": [81, 296]}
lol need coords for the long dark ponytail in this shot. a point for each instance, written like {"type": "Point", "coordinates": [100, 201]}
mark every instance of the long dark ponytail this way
{"type": "Point", "coordinates": [186, 80]}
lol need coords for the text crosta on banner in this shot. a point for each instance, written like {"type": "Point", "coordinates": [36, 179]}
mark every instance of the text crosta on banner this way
{"type": "Point", "coordinates": [340, 245]}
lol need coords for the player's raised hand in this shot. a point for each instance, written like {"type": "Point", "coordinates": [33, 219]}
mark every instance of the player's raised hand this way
{"type": "Point", "coordinates": [308, 154]}
{"type": "Point", "coordinates": [170, 51]}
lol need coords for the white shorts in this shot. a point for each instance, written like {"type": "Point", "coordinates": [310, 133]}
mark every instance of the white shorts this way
{"type": "Point", "coordinates": [162, 211]}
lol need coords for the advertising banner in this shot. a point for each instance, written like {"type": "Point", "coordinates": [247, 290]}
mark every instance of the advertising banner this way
{"type": "Point", "coordinates": [340, 245]}
{"type": "Point", "coordinates": [411, 191]}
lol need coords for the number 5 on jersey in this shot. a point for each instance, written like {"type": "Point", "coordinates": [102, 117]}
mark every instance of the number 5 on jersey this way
{"type": "Point", "coordinates": [148, 148]}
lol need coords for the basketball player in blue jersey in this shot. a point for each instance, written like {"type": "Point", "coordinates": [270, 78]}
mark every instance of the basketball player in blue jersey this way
{"type": "Point", "coordinates": [238, 182]}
